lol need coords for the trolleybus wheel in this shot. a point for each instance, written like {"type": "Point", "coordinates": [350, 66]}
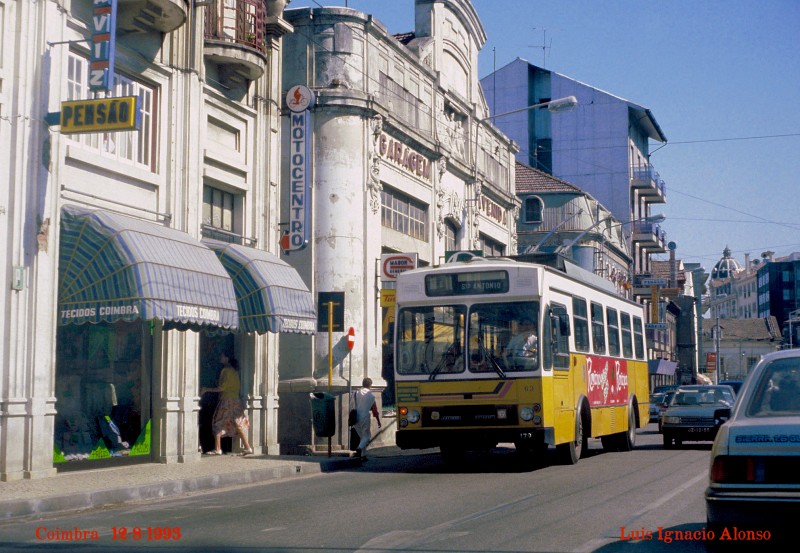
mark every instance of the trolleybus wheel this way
{"type": "Point", "coordinates": [570, 452]}
{"type": "Point", "coordinates": [628, 439]}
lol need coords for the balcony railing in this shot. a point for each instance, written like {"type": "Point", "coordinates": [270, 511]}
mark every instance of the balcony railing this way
{"type": "Point", "coordinates": [649, 183]}
{"type": "Point", "coordinates": [650, 236]}
{"type": "Point", "coordinates": [240, 22]}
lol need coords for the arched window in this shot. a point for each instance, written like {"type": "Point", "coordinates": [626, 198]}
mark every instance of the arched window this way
{"type": "Point", "coordinates": [533, 210]}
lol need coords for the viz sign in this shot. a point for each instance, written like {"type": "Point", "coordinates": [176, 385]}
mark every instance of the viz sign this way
{"type": "Point", "coordinates": [104, 30]}
{"type": "Point", "coordinates": [298, 100]}
{"type": "Point", "coordinates": [606, 381]}
{"type": "Point", "coordinates": [394, 264]}
{"type": "Point", "coordinates": [101, 115]}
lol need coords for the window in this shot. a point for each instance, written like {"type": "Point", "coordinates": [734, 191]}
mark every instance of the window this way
{"type": "Point", "coordinates": [491, 247]}
{"type": "Point", "coordinates": [613, 331]}
{"type": "Point", "coordinates": [533, 210]}
{"type": "Point", "coordinates": [219, 215]}
{"type": "Point", "coordinates": [404, 105]}
{"type": "Point", "coordinates": [638, 337]}
{"type": "Point", "coordinates": [627, 338]}
{"type": "Point", "coordinates": [401, 213]}
{"type": "Point", "coordinates": [598, 329]}
{"type": "Point", "coordinates": [450, 234]}
{"type": "Point", "coordinates": [580, 321]}
{"type": "Point", "coordinates": [137, 147]}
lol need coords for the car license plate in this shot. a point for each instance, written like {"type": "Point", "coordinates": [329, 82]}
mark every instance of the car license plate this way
{"type": "Point", "coordinates": [699, 430]}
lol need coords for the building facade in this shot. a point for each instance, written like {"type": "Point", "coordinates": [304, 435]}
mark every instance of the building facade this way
{"type": "Point", "coordinates": [604, 131]}
{"type": "Point", "coordinates": [400, 170]}
{"type": "Point", "coordinates": [124, 248]}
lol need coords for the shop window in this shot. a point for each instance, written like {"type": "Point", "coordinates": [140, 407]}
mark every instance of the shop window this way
{"type": "Point", "coordinates": [137, 147]}
{"type": "Point", "coordinates": [103, 382]}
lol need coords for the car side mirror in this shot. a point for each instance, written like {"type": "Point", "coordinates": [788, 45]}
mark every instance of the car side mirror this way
{"type": "Point", "coordinates": [721, 416]}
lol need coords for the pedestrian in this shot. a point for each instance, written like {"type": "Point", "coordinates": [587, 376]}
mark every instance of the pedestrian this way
{"type": "Point", "coordinates": [364, 403]}
{"type": "Point", "coordinates": [229, 416]}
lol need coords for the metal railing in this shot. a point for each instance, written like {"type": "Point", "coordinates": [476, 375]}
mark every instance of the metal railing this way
{"type": "Point", "coordinates": [649, 177]}
{"type": "Point", "coordinates": [241, 22]}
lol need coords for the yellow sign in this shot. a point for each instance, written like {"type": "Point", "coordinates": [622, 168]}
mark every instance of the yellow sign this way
{"type": "Point", "coordinates": [388, 298]}
{"type": "Point", "coordinates": [100, 115]}
{"type": "Point", "coordinates": [654, 297]}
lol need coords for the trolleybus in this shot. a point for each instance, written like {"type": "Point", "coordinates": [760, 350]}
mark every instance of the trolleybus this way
{"type": "Point", "coordinates": [501, 350]}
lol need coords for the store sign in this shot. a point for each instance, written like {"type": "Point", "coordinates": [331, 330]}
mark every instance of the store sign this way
{"type": "Point", "coordinates": [394, 264]}
{"type": "Point", "coordinates": [104, 39]}
{"type": "Point", "coordinates": [299, 98]}
{"type": "Point", "coordinates": [607, 381]}
{"type": "Point", "coordinates": [711, 361]}
{"type": "Point", "coordinates": [404, 157]}
{"type": "Point", "coordinates": [101, 115]}
{"type": "Point", "coordinates": [388, 298]}
{"type": "Point", "coordinates": [492, 210]}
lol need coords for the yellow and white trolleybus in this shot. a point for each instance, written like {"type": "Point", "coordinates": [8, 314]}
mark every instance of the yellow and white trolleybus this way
{"type": "Point", "coordinates": [491, 351]}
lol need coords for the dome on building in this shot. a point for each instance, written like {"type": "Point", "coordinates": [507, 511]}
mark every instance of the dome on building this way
{"type": "Point", "coordinates": [725, 267]}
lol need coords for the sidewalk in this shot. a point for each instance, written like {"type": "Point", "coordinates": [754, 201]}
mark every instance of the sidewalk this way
{"type": "Point", "coordinates": [91, 489]}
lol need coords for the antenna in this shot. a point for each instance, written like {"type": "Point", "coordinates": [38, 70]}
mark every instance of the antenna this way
{"type": "Point", "coordinates": [544, 46]}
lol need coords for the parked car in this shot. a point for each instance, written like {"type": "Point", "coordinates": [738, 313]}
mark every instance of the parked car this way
{"type": "Point", "coordinates": [665, 388]}
{"type": "Point", "coordinates": [655, 399]}
{"type": "Point", "coordinates": [691, 414]}
{"type": "Point", "coordinates": [735, 384]}
{"type": "Point", "coordinates": [754, 479]}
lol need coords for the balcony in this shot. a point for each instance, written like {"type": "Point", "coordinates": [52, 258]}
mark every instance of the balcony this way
{"type": "Point", "coordinates": [648, 183]}
{"type": "Point", "coordinates": [149, 16]}
{"type": "Point", "coordinates": [650, 236]}
{"type": "Point", "coordinates": [236, 38]}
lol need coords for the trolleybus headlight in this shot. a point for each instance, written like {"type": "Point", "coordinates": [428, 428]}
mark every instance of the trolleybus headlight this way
{"type": "Point", "coordinates": [537, 407]}
{"type": "Point", "coordinates": [413, 416]}
{"type": "Point", "coordinates": [537, 420]}
{"type": "Point", "coordinates": [403, 423]}
{"type": "Point", "coordinates": [403, 411]}
{"type": "Point", "coordinates": [526, 413]}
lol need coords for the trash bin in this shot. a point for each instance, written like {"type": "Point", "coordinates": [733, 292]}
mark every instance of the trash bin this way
{"type": "Point", "coordinates": [323, 414]}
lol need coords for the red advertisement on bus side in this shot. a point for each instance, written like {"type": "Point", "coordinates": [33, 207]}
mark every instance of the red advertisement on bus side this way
{"type": "Point", "coordinates": [606, 381]}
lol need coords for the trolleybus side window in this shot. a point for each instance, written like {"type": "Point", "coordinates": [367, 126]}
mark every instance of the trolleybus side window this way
{"type": "Point", "coordinates": [638, 337]}
{"type": "Point", "coordinates": [581, 323]}
{"type": "Point", "coordinates": [627, 338]}
{"type": "Point", "coordinates": [561, 332]}
{"type": "Point", "coordinates": [598, 329]}
{"type": "Point", "coordinates": [431, 340]}
{"type": "Point", "coordinates": [613, 332]}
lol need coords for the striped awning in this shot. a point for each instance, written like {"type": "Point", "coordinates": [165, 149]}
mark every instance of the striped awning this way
{"type": "Point", "coordinates": [270, 293]}
{"type": "Point", "coordinates": [117, 268]}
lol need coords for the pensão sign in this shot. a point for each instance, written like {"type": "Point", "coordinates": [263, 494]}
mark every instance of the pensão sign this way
{"type": "Point", "coordinates": [100, 115]}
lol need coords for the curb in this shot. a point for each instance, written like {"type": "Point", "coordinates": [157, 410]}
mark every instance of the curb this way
{"type": "Point", "coordinates": [20, 508]}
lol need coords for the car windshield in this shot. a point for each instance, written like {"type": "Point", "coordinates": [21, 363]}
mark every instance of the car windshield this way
{"type": "Point", "coordinates": [778, 390]}
{"type": "Point", "coordinates": [703, 396]}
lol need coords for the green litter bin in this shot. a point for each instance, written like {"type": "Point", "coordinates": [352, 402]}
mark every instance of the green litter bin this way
{"type": "Point", "coordinates": [323, 414]}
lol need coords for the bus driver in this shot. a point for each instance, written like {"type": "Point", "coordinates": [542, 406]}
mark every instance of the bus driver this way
{"type": "Point", "coordinates": [522, 350]}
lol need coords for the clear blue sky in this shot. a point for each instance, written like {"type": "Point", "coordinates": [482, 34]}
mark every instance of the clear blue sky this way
{"type": "Point", "coordinates": [715, 74]}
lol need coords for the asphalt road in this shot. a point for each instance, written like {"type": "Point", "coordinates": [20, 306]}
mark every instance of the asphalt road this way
{"type": "Point", "coordinates": [414, 502]}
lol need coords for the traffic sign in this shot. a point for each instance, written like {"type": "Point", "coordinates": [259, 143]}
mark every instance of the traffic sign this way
{"type": "Point", "coordinates": [351, 338]}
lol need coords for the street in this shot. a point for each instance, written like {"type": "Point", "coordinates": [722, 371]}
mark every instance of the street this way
{"type": "Point", "coordinates": [414, 502]}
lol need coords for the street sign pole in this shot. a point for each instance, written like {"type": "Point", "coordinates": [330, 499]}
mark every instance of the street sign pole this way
{"type": "Point", "coordinates": [330, 362]}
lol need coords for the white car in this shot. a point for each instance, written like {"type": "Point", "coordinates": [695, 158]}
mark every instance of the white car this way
{"type": "Point", "coordinates": [754, 479]}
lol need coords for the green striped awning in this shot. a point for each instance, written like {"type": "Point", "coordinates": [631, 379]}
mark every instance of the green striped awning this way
{"type": "Point", "coordinates": [271, 295]}
{"type": "Point", "coordinates": [118, 268]}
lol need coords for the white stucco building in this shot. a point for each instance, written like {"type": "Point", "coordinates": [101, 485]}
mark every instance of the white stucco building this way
{"type": "Point", "coordinates": [115, 307]}
{"type": "Point", "coordinates": [398, 163]}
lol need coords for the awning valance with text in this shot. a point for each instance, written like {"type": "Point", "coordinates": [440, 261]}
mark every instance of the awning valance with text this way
{"type": "Point", "coordinates": [271, 295]}
{"type": "Point", "coordinates": [117, 268]}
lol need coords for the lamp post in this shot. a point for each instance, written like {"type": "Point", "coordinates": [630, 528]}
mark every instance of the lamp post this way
{"type": "Point", "coordinates": [554, 106]}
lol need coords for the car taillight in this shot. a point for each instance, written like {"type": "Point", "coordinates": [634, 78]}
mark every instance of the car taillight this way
{"type": "Point", "coordinates": [740, 470]}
